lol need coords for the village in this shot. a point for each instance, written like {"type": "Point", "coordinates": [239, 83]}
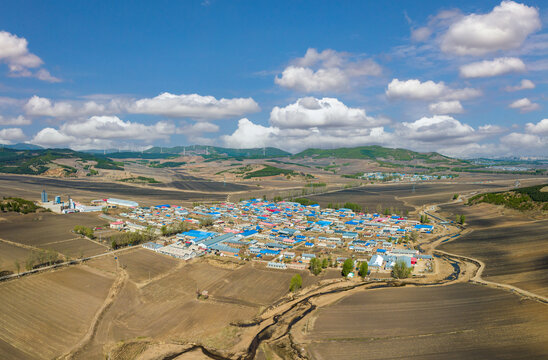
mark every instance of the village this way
{"type": "Point", "coordinates": [283, 235]}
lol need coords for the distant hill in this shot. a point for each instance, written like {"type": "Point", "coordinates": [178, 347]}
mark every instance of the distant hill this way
{"type": "Point", "coordinates": [523, 199]}
{"type": "Point", "coordinates": [36, 162]}
{"type": "Point", "coordinates": [220, 152]}
{"type": "Point", "coordinates": [23, 146]}
{"type": "Point", "coordinates": [372, 152]}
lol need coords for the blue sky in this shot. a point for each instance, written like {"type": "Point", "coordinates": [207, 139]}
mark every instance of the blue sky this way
{"type": "Point", "coordinates": [462, 78]}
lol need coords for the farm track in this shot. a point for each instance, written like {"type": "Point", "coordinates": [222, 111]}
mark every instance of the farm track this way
{"type": "Point", "coordinates": [115, 289]}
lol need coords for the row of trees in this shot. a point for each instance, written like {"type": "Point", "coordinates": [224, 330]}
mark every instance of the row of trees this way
{"type": "Point", "coordinates": [424, 219]}
{"type": "Point", "coordinates": [132, 238]}
{"type": "Point", "coordinates": [461, 219]}
{"type": "Point", "coordinates": [174, 229]}
{"type": "Point", "coordinates": [84, 230]}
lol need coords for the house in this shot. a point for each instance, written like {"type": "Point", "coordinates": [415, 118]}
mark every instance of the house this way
{"type": "Point", "coordinates": [276, 265]}
{"type": "Point", "coordinates": [376, 262]}
{"type": "Point", "coordinates": [117, 225]}
{"type": "Point", "coordinates": [308, 257]}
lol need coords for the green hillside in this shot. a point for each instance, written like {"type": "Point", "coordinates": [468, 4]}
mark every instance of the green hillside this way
{"type": "Point", "coordinates": [219, 152]}
{"type": "Point", "coordinates": [526, 198]}
{"type": "Point", "coordinates": [35, 162]}
{"type": "Point", "coordinates": [372, 152]}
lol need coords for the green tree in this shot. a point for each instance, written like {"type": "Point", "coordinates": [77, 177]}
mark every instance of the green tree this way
{"type": "Point", "coordinates": [462, 219]}
{"type": "Point", "coordinates": [363, 269]}
{"type": "Point", "coordinates": [455, 196]}
{"type": "Point", "coordinates": [325, 263]}
{"type": "Point", "coordinates": [296, 283]}
{"type": "Point", "coordinates": [348, 266]}
{"type": "Point", "coordinates": [315, 266]}
{"type": "Point", "coordinates": [206, 222]}
{"type": "Point", "coordinates": [401, 270]}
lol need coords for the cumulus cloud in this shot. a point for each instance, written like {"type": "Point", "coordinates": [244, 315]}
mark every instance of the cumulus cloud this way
{"type": "Point", "coordinates": [250, 135]}
{"type": "Point", "coordinates": [14, 52]}
{"type": "Point", "coordinates": [101, 131]}
{"type": "Point", "coordinates": [505, 27]}
{"type": "Point", "coordinates": [488, 68]}
{"type": "Point", "coordinates": [439, 129]}
{"type": "Point", "coordinates": [523, 143]}
{"type": "Point", "coordinates": [429, 90]}
{"type": "Point", "coordinates": [446, 107]}
{"type": "Point", "coordinates": [198, 129]}
{"type": "Point", "coordinates": [328, 123]}
{"type": "Point", "coordinates": [39, 106]}
{"type": "Point", "coordinates": [190, 106]}
{"type": "Point", "coordinates": [193, 106]}
{"type": "Point", "coordinates": [326, 112]}
{"type": "Point", "coordinates": [11, 135]}
{"type": "Point", "coordinates": [326, 71]}
{"type": "Point", "coordinates": [523, 85]}
{"type": "Point", "coordinates": [540, 128]}
{"type": "Point", "coordinates": [17, 121]}
{"type": "Point", "coordinates": [524, 105]}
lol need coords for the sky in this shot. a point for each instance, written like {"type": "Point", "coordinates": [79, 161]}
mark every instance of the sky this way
{"type": "Point", "coordinates": [464, 78]}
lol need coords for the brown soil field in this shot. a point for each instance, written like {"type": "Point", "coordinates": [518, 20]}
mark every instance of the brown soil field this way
{"type": "Point", "coordinates": [76, 247]}
{"type": "Point", "coordinates": [44, 315]}
{"type": "Point", "coordinates": [514, 253]}
{"type": "Point", "coordinates": [450, 322]}
{"type": "Point", "coordinates": [42, 228]}
{"type": "Point", "coordinates": [142, 264]}
{"type": "Point", "coordinates": [482, 215]}
{"type": "Point", "coordinates": [30, 187]}
{"type": "Point", "coordinates": [9, 254]}
{"type": "Point", "coordinates": [369, 197]}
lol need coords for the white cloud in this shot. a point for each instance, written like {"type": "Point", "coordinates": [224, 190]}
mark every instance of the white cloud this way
{"type": "Point", "coordinates": [307, 80]}
{"type": "Point", "coordinates": [11, 135]}
{"type": "Point", "coordinates": [486, 68]}
{"type": "Point", "coordinates": [524, 105]}
{"type": "Point", "coordinates": [198, 128]}
{"type": "Point", "coordinates": [505, 27]}
{"type": "Point", "coordinates": [540, 128]}
{"type": "Point", "coordinates": [429, 90]}
{"type": "Point", "coordinates": [438, 129]}
{"type": "Point", "coordinates": [446, 107]}
{"type": "Point", "coordinates": [421, 34]}
{"type": "Point", "coordinates": [112, 127]}
{"type": "Point", "coordinates": [100, 132]}
{"type": "Point", "coordinates": [327, 112]}
{"type": "Point", "coordinates": [523, 85]}
{"type": "Point", "coordinates": [523, 143]}
{"type": "Point", "coordinates": [14, 51]}
{"type": "Point", "coordinates": [326, 71]}
{"type": "Point", "coordinates": [193, 106]}
{"type": "Point", "coordinates": [17, 121]}
{"type": "Point", "coordinates": [250, 135]}
{"type": "Point", "coordinates": [39, 106]}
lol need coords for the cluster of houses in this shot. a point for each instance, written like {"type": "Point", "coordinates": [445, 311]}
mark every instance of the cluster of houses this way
{"type": "Point", "coordinates": [397, 177]}
{"type": "Point", "coordinates": [281, 234]}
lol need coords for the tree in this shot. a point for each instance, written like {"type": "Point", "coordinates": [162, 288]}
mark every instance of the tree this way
{"type": "Point", "coordinates": [462, 219]}
{"type": "Point", "coordinates": [455, 196]}
{"type": "Point", "coordinates": [401, 270]}
{"type": "Point", "coordinates": [348, 266]}
{"type": "Point", "coordinates": [315, 266]}
{"type": "Point", "coordinates": [17, 266]}
{"type": "Point", "coordinates": [414, 236]}
{"type": "Point", "coordinates": [325, 263]}
{"type": "Point", "coordinates": [363, 269]}
{"type": "Point", "coordinates": [206, 222]}
{"type": "Point", "coordinates": [296, 283]}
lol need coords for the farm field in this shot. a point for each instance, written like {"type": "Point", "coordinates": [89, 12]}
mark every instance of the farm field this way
{"type": "Point", "coordinates": [514, 254]}
{"type": "Point", "coordinates": [43, 315]}
{"type": "Point", "coordinates": [421, 322]}
{"type": "Point", "coordinates": [77, 247]}
{"type": "Point", "coordinates": [9, 254]}
{"type": "Point", "coordinates": [31, 186]}
{"type": "Point", "coordinates": [167, 309]}
{"type": "Point", "coordinates": [41, 229]}
{"type": "Point", "coordinates": [142, 264]}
